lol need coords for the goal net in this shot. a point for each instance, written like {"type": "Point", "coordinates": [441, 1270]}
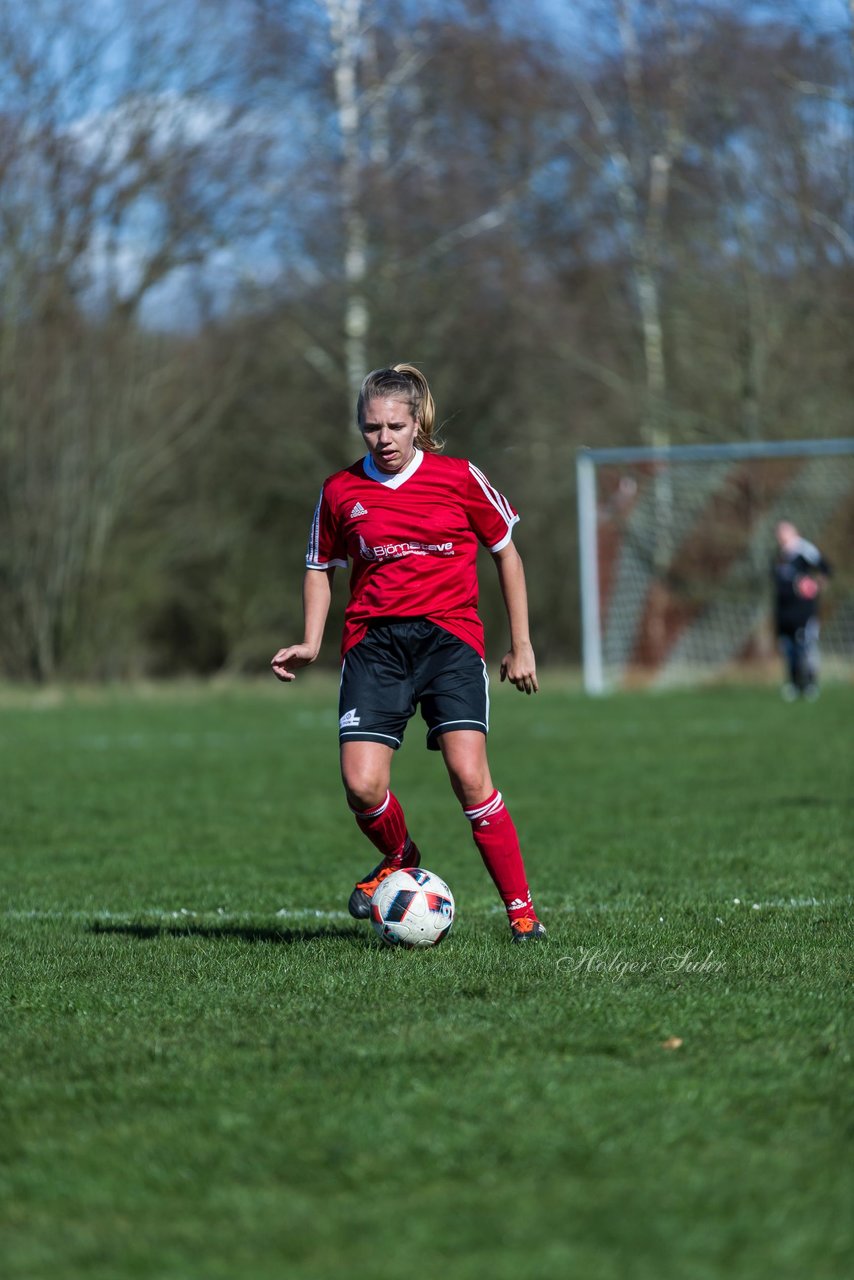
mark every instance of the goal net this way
{"type": "Point", "coordinates": [676, 547]}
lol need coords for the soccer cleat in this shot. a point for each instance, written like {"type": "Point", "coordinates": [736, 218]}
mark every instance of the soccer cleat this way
{"type": "Point", "coordinates": [359, 905]}
{"type": "Point", "coordinates": [527, 930]}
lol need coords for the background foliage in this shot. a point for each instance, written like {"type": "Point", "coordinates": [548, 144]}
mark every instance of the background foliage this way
{"type": "Point", "coordinates": [621, 221]}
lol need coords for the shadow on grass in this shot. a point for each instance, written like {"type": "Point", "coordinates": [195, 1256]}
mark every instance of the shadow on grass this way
{"type": "Point", "coordinates": [825, 802]}
{"type": "Point", "coordinates": [243, 933]}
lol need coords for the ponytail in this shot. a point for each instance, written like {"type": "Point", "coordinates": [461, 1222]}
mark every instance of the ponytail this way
{"type": "Point", "coordinates": [404, 382]}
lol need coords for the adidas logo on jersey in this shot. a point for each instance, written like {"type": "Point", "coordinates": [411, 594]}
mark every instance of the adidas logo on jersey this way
{"type": "Point", "coordinates": [358, 510]}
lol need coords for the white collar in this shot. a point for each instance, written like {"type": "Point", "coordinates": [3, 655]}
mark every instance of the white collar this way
{"type": "Point", "coordinates": [396, 478]}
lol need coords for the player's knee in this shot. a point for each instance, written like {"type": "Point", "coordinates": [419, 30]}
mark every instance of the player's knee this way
{"type": "Point", "coordinates": [366, 788]}
{"type": "Point", "coordinates": [471, 784]}
{"type": "Point", "coordinates": [468, 767]}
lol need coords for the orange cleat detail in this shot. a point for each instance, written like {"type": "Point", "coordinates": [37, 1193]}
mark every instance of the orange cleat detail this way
{"type": "Point", "coordinates": [527, 930]}
{"type": "Point", "coordinates": [359, 905]}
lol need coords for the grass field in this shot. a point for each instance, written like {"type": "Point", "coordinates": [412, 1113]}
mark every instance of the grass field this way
{"type": "Point", "coordinates": [209, 1071]}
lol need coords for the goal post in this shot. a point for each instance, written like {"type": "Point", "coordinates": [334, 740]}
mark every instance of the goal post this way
{"type": "Point", "coordinates": [675, 551]}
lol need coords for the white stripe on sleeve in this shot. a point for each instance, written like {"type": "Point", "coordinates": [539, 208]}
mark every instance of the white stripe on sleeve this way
{"type": "Point", "coordinates": [502, 506]}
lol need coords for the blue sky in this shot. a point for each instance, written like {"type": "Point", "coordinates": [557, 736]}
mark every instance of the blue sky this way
{"type": "Point", "coordinates": [570, 21]}
{"type": "Point", "coordinates": [572, 18]}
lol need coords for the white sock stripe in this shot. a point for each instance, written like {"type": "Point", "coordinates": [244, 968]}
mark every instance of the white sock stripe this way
{"type": "Point", "coordinates": [492, 806]}
{"type": "Point", "coordinates": [372, 813]}
{"type": "Point", "coordinates": [485, 810]}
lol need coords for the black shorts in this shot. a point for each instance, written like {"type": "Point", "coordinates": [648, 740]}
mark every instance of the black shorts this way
{"type": "Point", "coordinates": [400, 664]}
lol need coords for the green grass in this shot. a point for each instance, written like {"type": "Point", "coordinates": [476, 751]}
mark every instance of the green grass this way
{"type": "Point", "coordinates": [209, 1071]}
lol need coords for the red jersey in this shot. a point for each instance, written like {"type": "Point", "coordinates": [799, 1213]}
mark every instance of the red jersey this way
{"type": "Point", "coordinates": [412, 538]}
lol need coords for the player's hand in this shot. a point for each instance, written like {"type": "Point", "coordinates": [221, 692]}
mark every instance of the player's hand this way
{"type": "Point", "coordinates": [287, 662]}
{"type": "Point", "coordinates": [519, 666]}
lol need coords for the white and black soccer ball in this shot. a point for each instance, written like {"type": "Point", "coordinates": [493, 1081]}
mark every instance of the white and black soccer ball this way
{"type": "Point", "coordinates": [412, 908]}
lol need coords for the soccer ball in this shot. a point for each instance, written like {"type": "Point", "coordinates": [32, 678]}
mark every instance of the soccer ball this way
{"type": "Point", "coordinates": [412, 908]}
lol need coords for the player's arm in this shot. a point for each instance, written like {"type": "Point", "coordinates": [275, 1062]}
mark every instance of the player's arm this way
{"type": "Point", "coordinates": [519, 665]}
{"type": "Point", "coordinates": [316, 598]}
{"type": "Point", "coordinates": [813, 580]}
{"type": "Point", "coordinates": [816, 571]}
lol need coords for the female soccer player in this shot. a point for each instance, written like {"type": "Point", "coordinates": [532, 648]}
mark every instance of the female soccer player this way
{"type": "Point", "coordinates": [410, 522]}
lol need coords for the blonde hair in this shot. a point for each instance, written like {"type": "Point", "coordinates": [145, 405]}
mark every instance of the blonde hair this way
{"type": "Point", "coordinates": [403, 382]}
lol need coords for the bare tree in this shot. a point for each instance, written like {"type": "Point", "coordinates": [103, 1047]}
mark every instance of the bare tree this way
{"type": "Point", "coordinates": [344, 21]}
{"type": "Point", "coordinates": [100, 206]}
{"type": "Point", "coordinates": [215, 214]}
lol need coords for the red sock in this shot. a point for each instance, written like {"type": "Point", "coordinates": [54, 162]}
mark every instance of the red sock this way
{"type": "Point", "coordinates": [498, 844]}
{"type": "Point", "coordinates": [385, 827]}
